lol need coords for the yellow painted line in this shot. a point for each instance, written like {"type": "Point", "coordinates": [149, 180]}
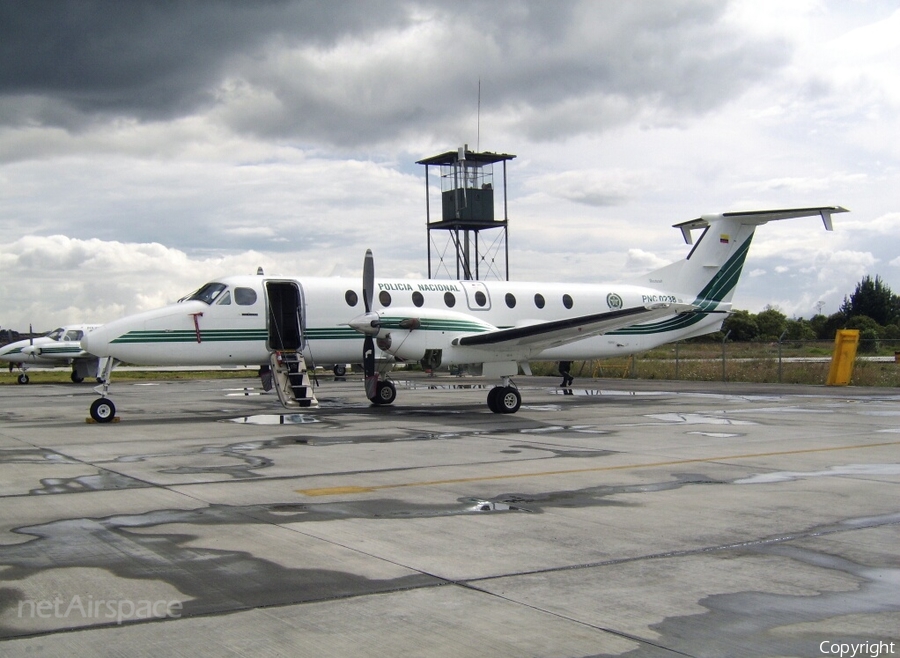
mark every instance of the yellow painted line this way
{"type": "Point", "coordinates": [332, 491]}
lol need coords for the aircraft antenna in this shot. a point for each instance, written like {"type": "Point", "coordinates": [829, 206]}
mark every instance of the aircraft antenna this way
{"type": "Point", "coordinates": [478, 120]}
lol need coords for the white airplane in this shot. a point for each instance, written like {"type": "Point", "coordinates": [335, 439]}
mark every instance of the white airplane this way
{"type": "Point", "coordinates": [60, 347]}
{"type": "Point", "coordinates": [501, 325]}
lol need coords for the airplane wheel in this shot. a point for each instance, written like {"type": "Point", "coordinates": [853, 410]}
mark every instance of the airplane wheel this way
{"type": "Point", "coordinates": [340, 371]}
{"type": "Point", "coordinates": [103, 410]}
{"type": "Point", "coordinates": [386, 393]}
{"type": "Point", "coordinates": [493, 394]}
{"type": "Point", "coordinates": [23, 379]}
{"type": "Point", "coordinates": [76, 379]}
{"type": "Point", "coordinates": [509, 400]}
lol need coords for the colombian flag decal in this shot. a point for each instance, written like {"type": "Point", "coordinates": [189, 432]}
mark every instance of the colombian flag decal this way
{"type": "Point", "coordinates": [724, 238]}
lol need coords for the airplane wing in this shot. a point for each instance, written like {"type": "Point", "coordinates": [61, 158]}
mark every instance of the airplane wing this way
{"type": "Point", "coordinates": [545, 335]}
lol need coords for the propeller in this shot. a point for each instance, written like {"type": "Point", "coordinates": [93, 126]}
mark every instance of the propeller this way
{"type": "Point", "coordinates": [368, 290]}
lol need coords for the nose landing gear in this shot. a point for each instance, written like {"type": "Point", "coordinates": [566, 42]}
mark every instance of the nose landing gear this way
{"type": "Point", "coordinates": [102, 409]}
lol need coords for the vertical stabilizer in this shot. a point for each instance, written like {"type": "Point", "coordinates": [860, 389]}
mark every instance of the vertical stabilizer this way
{"type": "Point", "coordinates": [711, 270]}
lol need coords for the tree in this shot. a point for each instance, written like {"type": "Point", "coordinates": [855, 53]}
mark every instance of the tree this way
{"type": "Point", "coordinates": [869, 332]}
{"type": "Point", "coordinates": [826, 328]}
{"type": "Point", "coordinates": [771, 323]}
{"type": "Point", "coordinates": [874, 299]}
{"type": "Point", "coordinates": [742, 326]}
{"type": "Point", "coordinates": [800, 329]}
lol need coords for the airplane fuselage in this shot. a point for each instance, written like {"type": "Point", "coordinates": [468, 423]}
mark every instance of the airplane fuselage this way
{"type": "Point", "coordinates": [233, 328]}
{"type": "Point", "coordinates": [500, 326]}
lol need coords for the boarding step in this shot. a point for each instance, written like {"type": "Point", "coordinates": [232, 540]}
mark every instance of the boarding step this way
{"type": "Point", "coordinates": [291, 380]}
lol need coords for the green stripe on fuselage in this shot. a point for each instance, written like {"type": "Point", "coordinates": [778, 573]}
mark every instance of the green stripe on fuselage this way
{"type": "Point", "coordinates": [707, 300]}
{"type": "Point", "coordinates": [211, 335]}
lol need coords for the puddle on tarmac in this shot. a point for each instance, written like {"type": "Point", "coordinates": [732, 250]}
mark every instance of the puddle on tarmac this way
{"type": "Point", "coordinates": [34, 456]}
{"type": "Point", "coordinates": [698, 419]}
{"type": "Point", "coordinates": [596, 392]}
{"type": "Point", "coordinates": [717, 435]}
{"type": "Point", "coordinates": [554, 429]}
{"type": "Point", "coordinates": [858, 470]}
{"type": "Point", "coordinates": [754, 623]}
{"type": "Point", "coordinates": [492, 506]}
{"type": "Point", "coordinates": [102, 481]}
{"type": "Point", "coordinates": [243, 392]}
{"type": "Point", "coordinates": [276, 419]}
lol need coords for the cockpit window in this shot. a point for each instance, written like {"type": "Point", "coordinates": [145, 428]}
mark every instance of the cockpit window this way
{"type": "Point", "coordinates": [208, 293]}
{"type": "Point", "coordinates": [244, 296]}
{"type": "Point", "coordinates": [224, 300]}
{"type": "Point", "coordinates": [56, 334]}
{"type": "Point", "coordinates": [74, 334]}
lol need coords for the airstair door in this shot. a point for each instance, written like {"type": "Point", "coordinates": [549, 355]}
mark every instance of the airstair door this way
{"type": "Point", "coordinates": [286, 341]}
{"type": "Point", "coordinates": [285, 316]}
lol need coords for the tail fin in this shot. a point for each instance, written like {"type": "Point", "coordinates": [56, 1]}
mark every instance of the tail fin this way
{"type": "Point", "coordinates": [712, 268]}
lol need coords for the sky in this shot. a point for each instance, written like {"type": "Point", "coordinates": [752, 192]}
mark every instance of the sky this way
{"type": "Point", "coordinates": [149, 147]}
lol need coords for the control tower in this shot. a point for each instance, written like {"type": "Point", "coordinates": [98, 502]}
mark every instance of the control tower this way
{"type": "Point", "coordinates": [467, 210]}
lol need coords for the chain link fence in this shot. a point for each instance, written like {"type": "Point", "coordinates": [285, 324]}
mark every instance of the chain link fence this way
{"type": "Point", "coordinates": [789, 362]}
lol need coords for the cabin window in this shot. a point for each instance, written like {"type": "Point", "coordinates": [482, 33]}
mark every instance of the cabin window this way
{"type": "Point", "coordinates": [244, 296]}
{"type": "Point", "coordinates": [385, 298]}
{"type": "Point", "coordinates": [539, 300]}
{"type": "Point", "coordinates": [567, 301]}
{"type": "Point", "coordinates": [510, 300]}
{"type": "Point", "coordinates": [208, 293]}
{"type": "Point", "coordinates": [74, 334]}
{"type": "Point", "coordinates": [480, 299]}
{"type": "Point", "coordinates": [224, 300]}
{"type": "Point", "coordinates": [418, 298]}
{"type": "Point", "coordinates": [449, 299]}
{"type": "Point", "coordinates": [351, 298]}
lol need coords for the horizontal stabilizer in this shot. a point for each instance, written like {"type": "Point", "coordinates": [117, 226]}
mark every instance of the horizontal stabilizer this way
{"type": "Point", "coordinates": [757, 217]}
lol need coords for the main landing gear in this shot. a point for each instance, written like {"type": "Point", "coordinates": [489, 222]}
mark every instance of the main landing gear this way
{"type": "Point", "coordinates": [385, 393]}
{"type": "Point", "coordinates": [504, 399]}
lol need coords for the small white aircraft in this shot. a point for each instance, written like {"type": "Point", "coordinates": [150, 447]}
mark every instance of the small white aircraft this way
{"type": "Point", "coordinates": [288, 321]}
{"type": "Point", "coordinates": [60, 347]}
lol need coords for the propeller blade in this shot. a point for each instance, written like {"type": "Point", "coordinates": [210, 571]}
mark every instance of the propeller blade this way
{"type": "Point", "coordinates": [368, 280]}
{"type": "Point", "coordinates": [369, 367]}
{"type": "Point", "coordinates": [30, 334]}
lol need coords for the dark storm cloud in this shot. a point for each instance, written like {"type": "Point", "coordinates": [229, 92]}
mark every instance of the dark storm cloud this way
{"type": "Point", "coordinates": [367, 72]}
{"type": "Point", "coordinates": [151, 59]}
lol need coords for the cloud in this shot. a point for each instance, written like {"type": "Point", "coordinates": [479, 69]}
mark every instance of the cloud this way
{"type": "Point", "coordinates": [328, 75]}
{"type": "Point", "coordinates": [285, 133]}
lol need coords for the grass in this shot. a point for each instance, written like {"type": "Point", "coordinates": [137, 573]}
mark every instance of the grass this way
{"type": "Point", "coordinates": [744, 362]}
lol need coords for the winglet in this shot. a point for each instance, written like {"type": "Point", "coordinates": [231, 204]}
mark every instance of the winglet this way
{"type": "Point", "coordinates": [826, 216]}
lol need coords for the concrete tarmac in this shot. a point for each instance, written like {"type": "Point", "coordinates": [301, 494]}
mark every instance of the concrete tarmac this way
{"type": "Point", "coordinates": [631, 518]}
